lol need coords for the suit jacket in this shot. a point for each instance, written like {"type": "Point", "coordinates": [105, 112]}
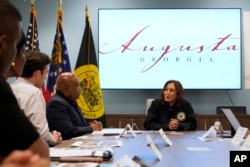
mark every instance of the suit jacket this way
{"type": "Point", "coordinates": [65, 116]}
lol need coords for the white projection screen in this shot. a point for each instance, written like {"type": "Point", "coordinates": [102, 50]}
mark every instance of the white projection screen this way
{"type": "Point", "coordinates": [143, 48]}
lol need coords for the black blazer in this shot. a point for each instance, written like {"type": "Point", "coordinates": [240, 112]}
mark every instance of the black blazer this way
{"type": "Point", "coordinates": [65, 116]}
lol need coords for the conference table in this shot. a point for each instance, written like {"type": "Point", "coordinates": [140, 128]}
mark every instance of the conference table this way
{"type": "Point", "coordinates": [187, 150]}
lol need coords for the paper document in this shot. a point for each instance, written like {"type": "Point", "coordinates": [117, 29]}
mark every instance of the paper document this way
{"type": "Point", "coordinates": [108, 132]}
{"type": "Point", "coordinates": [70, 152]}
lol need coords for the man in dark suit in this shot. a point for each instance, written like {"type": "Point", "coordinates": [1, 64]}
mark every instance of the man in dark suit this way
{"type": "Point", "coordinates": [63, 114]}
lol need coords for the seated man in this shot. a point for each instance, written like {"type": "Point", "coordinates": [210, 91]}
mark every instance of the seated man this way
{"type": "Point", "coordinates": [63, 114]}
{"type": "Point", "coordinates": [27, 90]}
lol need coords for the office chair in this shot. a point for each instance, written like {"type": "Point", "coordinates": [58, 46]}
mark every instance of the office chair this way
{"type": "Point", "coordinates": [148, 104]}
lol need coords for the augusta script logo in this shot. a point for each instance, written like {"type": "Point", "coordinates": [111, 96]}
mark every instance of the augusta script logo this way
{"type": "Point", "coordinates": [224, 43]}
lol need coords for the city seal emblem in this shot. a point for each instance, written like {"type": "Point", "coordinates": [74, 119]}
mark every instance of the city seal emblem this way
{"type": "Point", "coordinates": [90, 99]}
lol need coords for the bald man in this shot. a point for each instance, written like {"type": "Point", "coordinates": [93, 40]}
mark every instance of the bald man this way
{"type": "Point", "coordinates": [63, 114]}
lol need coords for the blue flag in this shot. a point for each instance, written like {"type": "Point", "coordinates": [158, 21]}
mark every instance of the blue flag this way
{"type": "Point", "coordinates": [59, 58]}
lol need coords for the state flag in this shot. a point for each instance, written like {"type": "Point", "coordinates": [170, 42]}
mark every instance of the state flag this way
{"type": "Point", "coordinates": [59, 58]}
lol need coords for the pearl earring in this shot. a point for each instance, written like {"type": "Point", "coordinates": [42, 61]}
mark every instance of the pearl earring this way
{"type": "Point", "coordinates": [13, 64]}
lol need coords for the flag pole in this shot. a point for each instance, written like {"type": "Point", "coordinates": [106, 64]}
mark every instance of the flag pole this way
{"type": "Point", "coordinates": [88, 41]}
{"type": "Point", "coordinates": [86, 11]}
{"type": "Point", "coordinates": [60, 4]}
{"type": "Point", "coordinates": [32, 2]}
{"type": "Point", "coordinates": [88, 20]}
{"type": "Point", "coordinates": [32, 10]}
{"type": "Point", "coordinates": [59, 47]}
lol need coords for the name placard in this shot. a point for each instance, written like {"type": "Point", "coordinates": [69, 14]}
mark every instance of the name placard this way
{"type": "Point", "coordinates": [165, 137]}
{"type": "Point", "coordinates": [239, 136]}
{"type": "Point", "coordinates": [154, 148]}
{"type": "Point", "coordinates": [246, 144]}
{"type": "Point", "coordinates": [128, 128]}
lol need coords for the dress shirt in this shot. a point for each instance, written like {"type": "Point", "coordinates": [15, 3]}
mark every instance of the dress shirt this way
{"type": "Point", "coordinates": [31, 100]}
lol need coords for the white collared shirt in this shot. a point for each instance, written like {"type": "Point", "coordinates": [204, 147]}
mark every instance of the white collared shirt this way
{"type": "Point", "coordinates": [31, 100]}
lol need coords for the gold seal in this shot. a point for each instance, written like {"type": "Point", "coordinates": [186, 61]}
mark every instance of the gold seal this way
{"type": "Point", "coordinates": [181, 116]}
{"type": "Point", "coordinates": [90, 100]}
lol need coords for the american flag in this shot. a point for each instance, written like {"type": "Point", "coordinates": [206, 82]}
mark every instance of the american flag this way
{"type": "Point", "coordinates": [59, 58]}
{"type": "Point", "coordinates": [32, 42]}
